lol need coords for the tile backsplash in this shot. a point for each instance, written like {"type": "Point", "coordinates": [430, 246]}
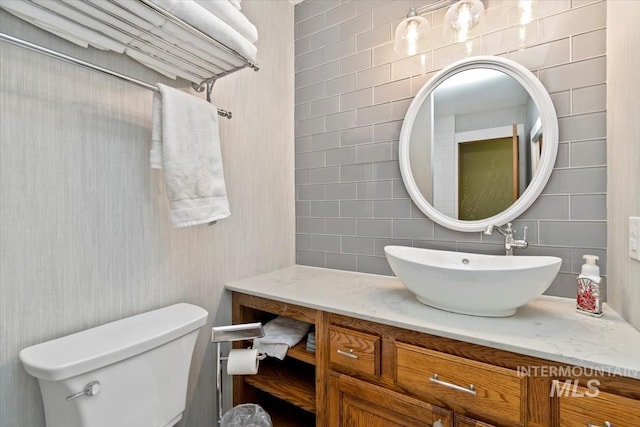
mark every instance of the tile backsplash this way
{"type": "Point", "coordinates": [352, 91]}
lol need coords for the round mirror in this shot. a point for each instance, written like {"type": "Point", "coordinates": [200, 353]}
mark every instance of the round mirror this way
{"type": "Point", "coordinates": [478, 143]}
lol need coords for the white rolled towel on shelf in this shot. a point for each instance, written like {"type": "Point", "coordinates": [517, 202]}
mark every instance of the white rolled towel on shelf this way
{"type": "Point", "coordinates": [232, 16]}
{"type": "Point", "coordinates": [280, 334]}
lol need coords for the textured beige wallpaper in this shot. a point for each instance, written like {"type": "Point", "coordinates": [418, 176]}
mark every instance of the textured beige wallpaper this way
{"type": "Point", "coordinates": [623, 153]}
{"type": "Point", "coordinates": [85, 236]}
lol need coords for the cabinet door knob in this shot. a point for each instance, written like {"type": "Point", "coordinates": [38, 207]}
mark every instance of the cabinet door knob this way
{"type": "Point", "coordinates": [437, 424]}
{"type": "Point", "coordinates": [606, 424]}
{"type": "Point", "coordinates": [348, 353]}
{"type": "Point", "coordinates": [471, 389]}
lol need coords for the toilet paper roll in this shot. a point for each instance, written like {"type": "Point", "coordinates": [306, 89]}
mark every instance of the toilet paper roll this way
{"type": "Point", "coordinates": [243, 362]}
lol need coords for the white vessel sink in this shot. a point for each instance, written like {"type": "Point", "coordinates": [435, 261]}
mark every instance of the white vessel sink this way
{"type": "Point", "coordinates": [475, 284]}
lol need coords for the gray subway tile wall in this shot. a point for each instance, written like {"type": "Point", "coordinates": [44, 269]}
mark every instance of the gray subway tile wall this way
{"type": "Point", "coordinates": [352, 91]}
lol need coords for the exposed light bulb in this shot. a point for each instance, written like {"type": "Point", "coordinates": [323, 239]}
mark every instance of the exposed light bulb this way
{"type": "Point", "coordinates": [463, 23]}
{"type": "Point", "coordinates": [525, 7]}
{"type": "Point", "coordinates": [412, 37]}
{"type": "Point", "coordinates": [461, 18]}
{"type": "Point", "coordinates": [522, 35]}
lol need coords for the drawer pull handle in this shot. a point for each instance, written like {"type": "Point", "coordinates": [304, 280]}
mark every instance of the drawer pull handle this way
{"type": "Point", "coordinates": [348, 353]}
{"type": "Point", "coordinates": [470, 390]}
{"type": "Point", "coordinates": [606, 424]}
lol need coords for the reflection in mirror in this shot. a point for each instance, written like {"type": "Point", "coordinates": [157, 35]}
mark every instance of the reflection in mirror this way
{"type": "Point", "coordinates": [475, 144]}
{"type": "Point", "coordinates": [471, 148]}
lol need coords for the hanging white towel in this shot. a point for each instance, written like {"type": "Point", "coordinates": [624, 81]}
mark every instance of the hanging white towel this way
{"type": "Point", "coordinates": [186, 144]}
{"type": "Point", "coordinates": [280, 334]}
{"type": "Point", "coordinates": [236, 4]}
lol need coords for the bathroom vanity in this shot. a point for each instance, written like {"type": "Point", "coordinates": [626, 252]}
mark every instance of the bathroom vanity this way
{"type": "Point", "coordinates": [383, 359]}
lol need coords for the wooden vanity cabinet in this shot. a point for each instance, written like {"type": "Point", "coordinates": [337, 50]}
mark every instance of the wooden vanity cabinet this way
{"type": "Point", "coordinates": [286, 389]}
{"type": "Point", "coordinates": [495, 392]}
{"type": "Point", "coordinates": [357, 403]}
{"type": "Point", "coordinates": [462, 421]}
{"type": "Point", "coordinates": [584, 407]}
{"type": "Point", "coordinates": [370, 374]}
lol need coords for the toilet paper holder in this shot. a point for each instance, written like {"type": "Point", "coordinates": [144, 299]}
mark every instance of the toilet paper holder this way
{"type": "Point", "coordinates": [230, 333]}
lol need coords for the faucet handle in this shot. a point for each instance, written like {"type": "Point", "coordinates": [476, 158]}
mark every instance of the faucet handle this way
{"type": "Point", "coordinates": [525, 233]}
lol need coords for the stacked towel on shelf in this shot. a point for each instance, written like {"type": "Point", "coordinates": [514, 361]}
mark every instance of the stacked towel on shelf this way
{"type": "Point", "coordinates": [185, 143]}
{"type": "Point", "coordinates": [146, 35]}
{"type": "Point", "coordinates": [205, 21]}
{"type": "Point", "coordinates": [280, 334]}
{"type": "Point", "coordinates": [232, 16]}
{"type": "Point", "coordinates": [60, 26]}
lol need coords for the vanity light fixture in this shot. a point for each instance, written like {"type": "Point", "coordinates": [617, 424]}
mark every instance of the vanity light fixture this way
{"type": "Point", "coordinates": [463, 15]}
{"type": "Point", "coordinates": [411, 34]}
{"type": "Point", "coordinates": [461, 18]}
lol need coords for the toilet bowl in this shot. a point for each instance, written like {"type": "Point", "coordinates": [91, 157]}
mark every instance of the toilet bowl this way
{"type": "Point", "coordinates": [129, 373]}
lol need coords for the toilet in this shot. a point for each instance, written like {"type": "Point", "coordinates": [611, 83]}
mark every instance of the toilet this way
{"type": "Point", "coordinates": [129, 373]}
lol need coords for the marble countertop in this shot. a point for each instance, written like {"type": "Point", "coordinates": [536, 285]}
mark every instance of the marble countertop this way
{"type": "Point", "coordinates": [547, 328]}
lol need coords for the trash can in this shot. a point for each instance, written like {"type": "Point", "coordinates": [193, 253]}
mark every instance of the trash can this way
{"type": "Point", "coordinates": [246, 415]}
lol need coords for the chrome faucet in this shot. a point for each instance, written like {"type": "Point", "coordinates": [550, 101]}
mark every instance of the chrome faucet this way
{"type": "Point", "coordinates": [509, 237]}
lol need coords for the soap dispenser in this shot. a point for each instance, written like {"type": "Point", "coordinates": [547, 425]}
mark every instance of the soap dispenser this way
{"type": "Point", "coordinates": [590, 289]}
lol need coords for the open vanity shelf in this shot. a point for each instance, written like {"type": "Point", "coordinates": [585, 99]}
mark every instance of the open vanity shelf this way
{"type": "Point", "coordinates": [286, 389]}
{"type": "Point", "coordinates": [293, 384]}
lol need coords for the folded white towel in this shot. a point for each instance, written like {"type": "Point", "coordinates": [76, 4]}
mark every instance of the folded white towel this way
{"type": "Point", "coordinates": [236, 4]}
{"type": "Point", "coordinates": [280, 334]}
{"type": "Point", "coordinates": [170, 31]}
{"type": "Point", "coordinates": [61, 26]}
{"type": "Point", "coordinates": [139, 9]}
{"type": "Point", "coordinates": [71, 12]}
{"type": "Point", "coordinates": [117, 15]}
{"type": "Point", "coordinates": [232, 16]}
{"type": "Point", "coordinates": [173, 34]}
{"type": "Point", "coordinates": [185, 136]}
{"type": "Point", "coordinates": [171, 56]}
{"type": "Point", "coordinates": [160, 66]}
{"type": "Point", "coordinates": [191, 55]}
{"type": "Point", "coordinates": [203, 20]}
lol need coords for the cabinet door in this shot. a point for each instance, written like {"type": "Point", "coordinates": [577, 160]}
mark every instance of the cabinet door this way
{"type": "Point", "coordinates": [355, 403]}
{"type": "Point", "coordinates": [581, 407]}
{"type": "Point", "coordinates": [461, 421]}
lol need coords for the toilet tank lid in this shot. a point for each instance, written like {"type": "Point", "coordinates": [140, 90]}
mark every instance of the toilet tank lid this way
{"type": "Point", "coordinates": [103, 345]}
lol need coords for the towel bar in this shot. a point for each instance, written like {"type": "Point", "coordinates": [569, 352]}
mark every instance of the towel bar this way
{"type": "Point", "coordinates": [58, 55]}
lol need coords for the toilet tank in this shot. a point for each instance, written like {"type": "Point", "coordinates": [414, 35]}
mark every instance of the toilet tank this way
{"type": "Point", "coordinates": [139, 367]}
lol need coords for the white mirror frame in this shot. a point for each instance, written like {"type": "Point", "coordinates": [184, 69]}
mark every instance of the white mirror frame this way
{"type": "Point", "coordinates": [547, 159]}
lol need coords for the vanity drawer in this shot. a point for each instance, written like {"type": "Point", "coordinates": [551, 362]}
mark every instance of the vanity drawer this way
{"type": "Point", "coordinates": [580, 410]}
{"type": "Point", "coordinates": [491, 392]}
{"type": "Point", "coordinates": [354, 351]}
